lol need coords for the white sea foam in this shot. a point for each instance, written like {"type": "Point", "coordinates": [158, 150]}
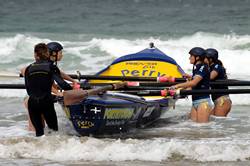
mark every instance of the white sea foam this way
{"type": "Point", "coordinates": [62, 148]}
{"type": "Point", "coordinates": [18, 47]}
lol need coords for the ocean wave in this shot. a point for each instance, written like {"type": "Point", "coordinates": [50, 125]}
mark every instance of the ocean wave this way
{"type": "Point", "coordinates": [233, 50]}
{"type": "Point", "coordinates": [92, 55]}
{"type": "Point", "coordinates": [61, 148]}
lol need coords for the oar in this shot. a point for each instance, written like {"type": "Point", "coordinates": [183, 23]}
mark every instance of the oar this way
{"type": "Point", "coordinates": [10, 75]}
{"type": "Point", "coordinates": [138, 85]}
{"type": "Point", "coordinates": [213, 83]}
{"type": "Point", "coordinates": [121, 78]}
{"type": "Point", "coordinates": [127, 78]}
{"type": "Point", "coordinates": [177, 93]}
{"type": "Point", "coordinates": [142, 92]}
{"type": "Point", "coordinates": [163, 81]}
{"type": "Point", "coordinates": [181, 92]}
{"type": "Point", "coordinates": [12, 86]}
{"type": "Point", "coordinates": [230, 83]}
{"type": "Point", "coordinates": [212, 91]}
{"type": "Point", "coordinates": [77, 95]}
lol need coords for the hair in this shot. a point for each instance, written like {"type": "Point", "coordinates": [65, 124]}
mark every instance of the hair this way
{"type": "Point", "coordinates": [41, 50]}
{"type": "Point", "coordinates": [201, 59]}
{"type": "Point", "coordinates": [218, 62]}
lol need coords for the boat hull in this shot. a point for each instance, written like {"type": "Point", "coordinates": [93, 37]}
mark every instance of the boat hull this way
{"type": "Point", "coordinates": [112, 113]}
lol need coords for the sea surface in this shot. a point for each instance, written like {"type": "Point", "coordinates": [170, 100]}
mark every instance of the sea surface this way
{"type": "Point", "coordinates": [94, 33]}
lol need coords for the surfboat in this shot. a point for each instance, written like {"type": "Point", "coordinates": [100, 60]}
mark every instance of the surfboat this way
{"type": "Point", "coordinates": [114, 112]}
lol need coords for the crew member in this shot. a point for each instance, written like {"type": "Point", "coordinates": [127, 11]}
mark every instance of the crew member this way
{"type": "Point", "coordinates": [55, 55]}
{"type": "Point", "coordinates": [201, 104]}
{"type": "Point", "coordinates": [39, 77]}
{"type": "Point", "coordinates": [222, 102]}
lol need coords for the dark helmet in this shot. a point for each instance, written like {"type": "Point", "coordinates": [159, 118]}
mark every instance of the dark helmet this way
{"type": "Point", "coordinates": [212, 53]}
{"type": "Point", "coordinates": [197, 51]}
{"type": "Point", "coordinates": [54, 46]}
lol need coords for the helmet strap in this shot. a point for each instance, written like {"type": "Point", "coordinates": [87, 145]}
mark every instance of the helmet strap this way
{"type": "Point", "coordinates": [195, 60]}
{"type": "Point", "coordinates": [56, 58]}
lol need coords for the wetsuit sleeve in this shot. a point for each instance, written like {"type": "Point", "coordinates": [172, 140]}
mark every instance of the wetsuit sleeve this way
{"type": "Point", "coordinates": [59, 80]}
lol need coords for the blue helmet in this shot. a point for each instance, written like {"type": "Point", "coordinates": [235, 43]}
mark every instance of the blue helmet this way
{"type": "Point", "coordinates": [212, 53]}
{"type": "Point", "coordinates": [197, 51]}
{"type": "Point", "coordinates": [54, 46]}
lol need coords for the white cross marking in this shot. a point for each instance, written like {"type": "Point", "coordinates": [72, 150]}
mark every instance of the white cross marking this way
{"type": "Point", "coordinates": [95, 110]}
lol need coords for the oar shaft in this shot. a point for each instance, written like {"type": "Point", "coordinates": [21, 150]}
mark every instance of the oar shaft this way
{"type": "Point", "coordinates": [122, 78]}
{"type": "Point", "coordinates": [231, 83]}
{"type": "Point", "coordinates": [143, 92]}
{"type": "Point", "coordinates": [228, 82]}
{"type": "Point", "coordinates": [214, 91]}
{"type": "Point", "coordinates": [212, 83]}
{"type": "Point", "coordinates": [187, 92]}
{"type": "Point", "coordinates": [12, 86]}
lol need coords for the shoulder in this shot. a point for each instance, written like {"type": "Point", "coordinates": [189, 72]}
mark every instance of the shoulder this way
{"type": "Point", "coordinates": [217, 67]}
{"type": "Point", "coordinates": [202, 67]}
{"type": "Point", "coordinates": [22, 71]}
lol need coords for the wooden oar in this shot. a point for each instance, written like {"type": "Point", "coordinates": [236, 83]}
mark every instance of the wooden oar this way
{"type": "Point", "coordinates": [77, 95]}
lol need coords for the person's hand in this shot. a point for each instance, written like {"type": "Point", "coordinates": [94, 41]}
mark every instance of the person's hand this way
{"type": "Point", "coordinates": [59, 94]}
{"type": "Point", "coordinates": [172, 87]}
{"type": "Point", "coordinates": [76, 85]}
{"type": "Point", "coordinates": [119, 85]}
{"type": "Point", "coordinates": [188, 76]}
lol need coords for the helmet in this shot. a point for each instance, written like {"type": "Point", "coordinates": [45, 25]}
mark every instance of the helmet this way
{"type": "Point", "coordinates": [197, 51]}
{"type": "Point", "coordinates": [212, 53]}
{"type": "Point", "coordinates": [54, 46]}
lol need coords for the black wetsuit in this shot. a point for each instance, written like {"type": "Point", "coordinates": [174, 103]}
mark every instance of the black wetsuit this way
{"type": "Point", "coordinates": [39, 77]}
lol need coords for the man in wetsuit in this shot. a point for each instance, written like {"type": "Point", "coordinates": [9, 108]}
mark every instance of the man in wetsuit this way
{"type": "Point", "coordinates": [39, 77]}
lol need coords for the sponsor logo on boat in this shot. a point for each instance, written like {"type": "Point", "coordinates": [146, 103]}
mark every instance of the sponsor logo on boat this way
{"type": "Point", "coordinates": [115, 122]}
{"type": "Point", "coordinates": [118, 113]}
{"type": "Point", "coordinates": [148, 73]}
{"type": "Point", "coordinates": [96, 110]}
{"type": "Point", "coordinates": [85, 124]}
{"type": "Point", "coordinates": [142, 69]}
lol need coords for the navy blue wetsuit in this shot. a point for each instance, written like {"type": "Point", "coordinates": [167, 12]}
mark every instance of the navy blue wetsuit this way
{"type": "Point", "coordinates": [39, 77]}
{"type": "Point", "coordinates": [201, 70]}
{"type": "Point", "coordinates": [221, 76]}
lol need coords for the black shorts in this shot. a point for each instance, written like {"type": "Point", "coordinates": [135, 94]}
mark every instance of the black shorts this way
{"type": "Point", "coordinates": [44, 107]}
